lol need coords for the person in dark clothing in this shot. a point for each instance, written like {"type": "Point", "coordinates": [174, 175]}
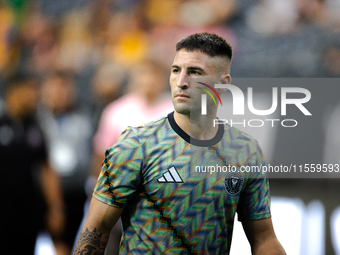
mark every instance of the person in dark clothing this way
{"type": "Point", "coordinates": [31, 197]}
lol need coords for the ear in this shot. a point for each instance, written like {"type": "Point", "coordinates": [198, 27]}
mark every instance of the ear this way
{"type": "Point", "coordinates": [224, 79]}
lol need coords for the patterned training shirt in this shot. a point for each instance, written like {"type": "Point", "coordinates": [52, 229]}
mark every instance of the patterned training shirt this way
{"type": "Point", "coordinates": [181, 194]}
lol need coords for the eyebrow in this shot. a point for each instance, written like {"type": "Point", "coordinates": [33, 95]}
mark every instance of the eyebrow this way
{"type": "Point", "coordinates": [190, 68]}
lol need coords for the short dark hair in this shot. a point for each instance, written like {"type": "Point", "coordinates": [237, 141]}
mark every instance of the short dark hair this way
{"type": "Point", "coordinates": [210, 44]}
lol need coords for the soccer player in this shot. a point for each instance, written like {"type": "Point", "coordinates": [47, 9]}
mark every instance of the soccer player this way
{"type": "Point", "coordinates": [155, 176]}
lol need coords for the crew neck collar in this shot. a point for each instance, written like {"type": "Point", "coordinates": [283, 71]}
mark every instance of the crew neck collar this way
{"type": "Point", "coordinates": [194, 141]}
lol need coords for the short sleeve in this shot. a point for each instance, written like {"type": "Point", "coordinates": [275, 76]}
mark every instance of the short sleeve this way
{"type": "Point", "coordinates": [120, 175]}
{"type": "Point", "coordinates": [254, 201]}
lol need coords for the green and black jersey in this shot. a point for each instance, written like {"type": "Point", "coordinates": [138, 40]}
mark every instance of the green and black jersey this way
{"type": "Point", "coordinates": [181, 194]}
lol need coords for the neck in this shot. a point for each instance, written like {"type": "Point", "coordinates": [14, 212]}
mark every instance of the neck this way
{"type": "Point", "coordinates": [198, 127]}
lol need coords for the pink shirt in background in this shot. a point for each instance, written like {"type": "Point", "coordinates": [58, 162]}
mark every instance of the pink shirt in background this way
{"type": "Point", "coordinates": [129, 110]}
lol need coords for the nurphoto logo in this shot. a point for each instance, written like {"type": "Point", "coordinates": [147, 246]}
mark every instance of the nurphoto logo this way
{"type": "Point", "coordinates": [204, 97]}
{"type": "Point", "coordinates": [239, 99]}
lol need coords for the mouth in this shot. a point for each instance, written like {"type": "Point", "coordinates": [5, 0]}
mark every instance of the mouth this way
{"type": "Point", "coordinates": [182, 96]}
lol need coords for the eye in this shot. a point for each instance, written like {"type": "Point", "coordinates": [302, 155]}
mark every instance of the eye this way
{"type": "Point", "coordinates": [194, 72]}
{"type": "Point", "coordinates": [175, 70]}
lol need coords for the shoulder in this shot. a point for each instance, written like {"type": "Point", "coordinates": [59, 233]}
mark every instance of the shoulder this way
{"type": "Point", "coordinates": [134, 137]}
{"type": "Point", "coordinates": [241, 146]}
{"type": "Point", "coordinates": [234, 134]}
{"type": "Point", "coordinates": [150, 127]}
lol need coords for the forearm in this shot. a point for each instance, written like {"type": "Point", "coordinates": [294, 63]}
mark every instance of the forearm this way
{"type": "Point", "coordinates": [269, 247]}
{"type": "Point", "coordinates": [91, 241]}
{"type": "Point", "coordinates": [97, 227]}
{"type": "Point", "coordinates": [51, 188]}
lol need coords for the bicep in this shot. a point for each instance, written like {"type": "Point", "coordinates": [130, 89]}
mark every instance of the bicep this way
{"type": "Point", "coordinates": [258, 230]}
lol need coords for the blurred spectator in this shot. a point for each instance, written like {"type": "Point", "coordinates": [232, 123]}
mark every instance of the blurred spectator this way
{"type": "Point", "coordinates": [200, 13]}
{"type": "Point", "coordinates": [76, 48]}
{"type": "Point", "coordinates": [313, 11]}
{"type": "Point", "coordinates": [39, 44]}
{"type": "Point", "coordinates": [83, 35]}
{"type": "Point", "coordinates": [128, 41]}
{"type": "Point", "coordinates": [278, 17]}
{"type": "Point", "coordinates": [68, 135]}
{"type": "Point", "coordinates": [172, 20]}
{"type": "Point", "coordinates": [273, 17]}
{"type": "Point", "coordinates": [30, 39]}
{"type": "Point", "coordinates": [106, 87]}
{"type": "Point", "coordinates": [32, 187]}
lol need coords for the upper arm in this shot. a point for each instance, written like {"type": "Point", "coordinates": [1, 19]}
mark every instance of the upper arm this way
{"type": "Point", "coordinates": [254, 201]}
{"type": "Point", "coordinates": [120, 176]}
{"type": "Point", "coordinates": [258, 230]}
{"type": "Point", "coordinates": [118, 181]}
{"type": "Point", "coordinates": [262, 238]}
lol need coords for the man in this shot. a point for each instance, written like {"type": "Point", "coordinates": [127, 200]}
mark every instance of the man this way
{"type": "Point", "coordinates": [23, 165]}
{"type": "Point", "coordinates": [68, 133]}
{"type": "Point", "coordinates": [149, 177]}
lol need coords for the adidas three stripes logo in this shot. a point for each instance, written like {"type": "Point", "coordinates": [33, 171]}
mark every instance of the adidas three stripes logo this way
{"type": "Point", "coordinates": [171, 176]}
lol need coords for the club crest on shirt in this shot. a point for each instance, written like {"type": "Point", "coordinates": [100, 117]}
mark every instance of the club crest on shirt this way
{"type": "Point", "coordinates": [233, 182]}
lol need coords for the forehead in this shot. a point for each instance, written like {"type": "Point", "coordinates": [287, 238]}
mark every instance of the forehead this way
{"type": "Point", "coordinates": [187, 59]}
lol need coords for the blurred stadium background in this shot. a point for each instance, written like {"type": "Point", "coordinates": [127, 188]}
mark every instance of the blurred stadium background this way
{"type": "Point", "coordinates": [94, 47]}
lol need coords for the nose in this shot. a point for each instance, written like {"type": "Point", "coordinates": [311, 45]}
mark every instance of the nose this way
{"type": "Point", "coordinates": [183, 81]}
